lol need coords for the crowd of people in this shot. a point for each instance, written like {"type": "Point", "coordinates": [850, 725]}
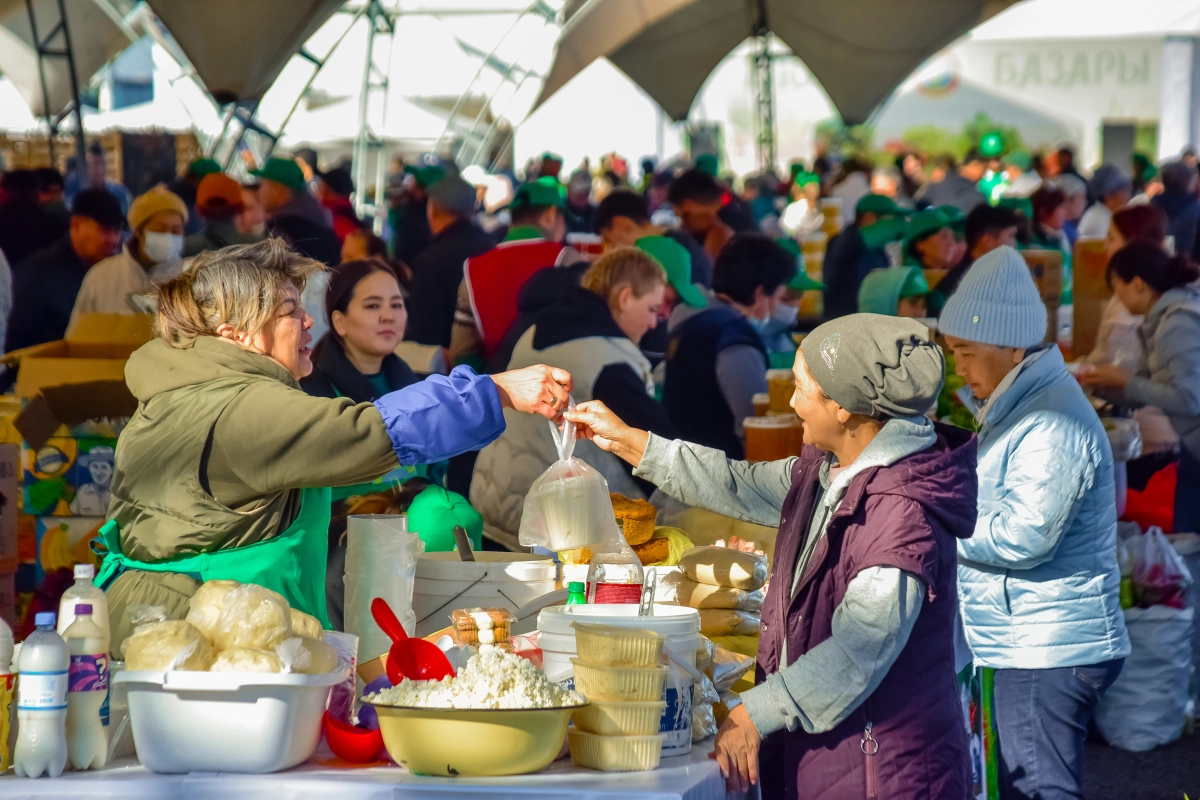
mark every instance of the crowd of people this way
{"type": "Point", "coordinates": [906, 551]}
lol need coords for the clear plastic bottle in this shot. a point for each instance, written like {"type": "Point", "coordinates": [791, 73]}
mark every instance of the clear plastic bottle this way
{"type": "Point", "coordinates": [87, 691]}
{"type": "Point", "coordinates": [42, 702]}
{"type": "Point", "coordinates": [83, 591]}
{"type": "Point", "coordinates": [615, 578]}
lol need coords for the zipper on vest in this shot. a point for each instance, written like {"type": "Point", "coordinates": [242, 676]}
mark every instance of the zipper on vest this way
{"type": "Point", "coordinates": [870, 747]}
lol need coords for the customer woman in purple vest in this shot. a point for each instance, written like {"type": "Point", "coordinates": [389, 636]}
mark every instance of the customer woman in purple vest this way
{"type": "Point", "coordinates": [856, 693]}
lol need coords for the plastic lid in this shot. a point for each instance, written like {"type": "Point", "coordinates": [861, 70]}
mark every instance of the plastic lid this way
{"type": "Point", "coordinates": [44, 618]}
{"type": "Point", "coordinates": [85, 572]}
{"type": "Point", "coordinates": [83, 608]}
{"type": "Point", "coordinates": [575, 587]}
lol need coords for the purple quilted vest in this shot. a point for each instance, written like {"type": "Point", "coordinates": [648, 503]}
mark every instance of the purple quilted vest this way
{"type": "Point", "coordinates": [907, 740]}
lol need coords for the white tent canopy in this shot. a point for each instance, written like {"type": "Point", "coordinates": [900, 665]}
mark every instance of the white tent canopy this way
{"type": "Point", "coordinates": [95, 40]}
{"type": "Point", "coordinates": [239, 47]}
{"type": "Point", "coordinates": [859, 50]}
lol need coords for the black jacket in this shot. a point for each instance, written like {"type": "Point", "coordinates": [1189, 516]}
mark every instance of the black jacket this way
{"type": "Point", "coordinates": [847, 262]}
{"type": "Point", "coordinates": [26, 228]}
{"type": "Point", "coordinates": [544, 289]}
{"type": "Point", "coordinates": [702, 265]}
{"type": "Point", "coordinates": [45, 286]}
{"type": "Point", "coordinates": [308, 238]}
{"type": "Point", "coordinates": [437, 274]}
{"type": "Point", "coordinates": [334, 376]}
{"type": "Point", "coordinates": [412, 234]}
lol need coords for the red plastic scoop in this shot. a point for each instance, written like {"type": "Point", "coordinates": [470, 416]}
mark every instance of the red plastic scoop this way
{"type": "Point", "coordinates": [415, 659]}
{"type": "Point", "coordinates": [355, 745]}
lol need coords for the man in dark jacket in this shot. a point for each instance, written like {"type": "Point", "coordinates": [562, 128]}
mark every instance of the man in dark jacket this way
{"type": "Point", "coordinates": [1178, 200]}
{"type": "Point", "coordinates": [856, 688]}
{"type": "Point", "coordinates": [858, 250]}
{"type": "Point", "coordinates": [334, 189]}
{"type": "Point", "coordinates": [25, 227]}
{"type": "Point", "coordinates": [438, 270]}
{"type": "Point", "coordinates": [411, 232]}
{"type": "Point", "coordinates": [624, 217]}
{"type": "Point", "coordinates": [47, 282]}
{"type": "Point", "coordinates": [294, 214]}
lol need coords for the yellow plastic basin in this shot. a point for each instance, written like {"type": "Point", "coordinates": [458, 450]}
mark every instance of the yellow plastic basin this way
{"type": "Point", "coordinates": [458, 742]}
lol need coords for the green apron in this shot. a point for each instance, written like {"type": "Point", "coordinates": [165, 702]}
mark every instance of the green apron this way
{"type": "Point", "coordinates": [292, 563]}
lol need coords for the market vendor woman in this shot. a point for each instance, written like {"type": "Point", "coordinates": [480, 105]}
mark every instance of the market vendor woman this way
{"type": "Point", "coordinates": [856, 693]}
{"type": "Point", "coordinates": [219, 473]}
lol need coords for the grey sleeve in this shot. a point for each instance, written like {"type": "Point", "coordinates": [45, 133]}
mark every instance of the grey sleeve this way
{"type": "Point", "coordinates": [1178, 345]}
{"type": "Point", "coordinates": [825, 685]}
{"type": "Point", "coordinates": [704, 477]}
{"type": "Point", "coordinates": [741, 374]}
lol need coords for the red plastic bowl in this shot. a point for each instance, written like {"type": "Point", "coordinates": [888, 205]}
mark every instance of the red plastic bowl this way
{"type": "Point", "coordinates": [356, 745]}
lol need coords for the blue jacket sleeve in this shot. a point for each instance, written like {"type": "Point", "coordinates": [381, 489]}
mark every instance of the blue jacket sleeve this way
{"type": "Point", "coordinates": [442, 417]}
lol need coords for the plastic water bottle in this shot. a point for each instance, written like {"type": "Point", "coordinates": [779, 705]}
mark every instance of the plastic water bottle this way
{"type": "Point", "coordinates": [42, 702]}
{"type": "Point", "coordinates": [83, 591]}
{"type": "Point", "coordinates": [87, 691]}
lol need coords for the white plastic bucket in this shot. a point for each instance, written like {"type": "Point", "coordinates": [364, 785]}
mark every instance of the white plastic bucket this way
{"type": "Point", "coordinates": [444, 583]}
{"type": "Point", "coordinates": [226, 721]}
{"type": "Point", "coordinates": [680, 625]}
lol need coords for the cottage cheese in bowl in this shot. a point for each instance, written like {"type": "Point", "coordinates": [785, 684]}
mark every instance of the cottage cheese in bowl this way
{"type": "Point", "coordinates": [492, 679]}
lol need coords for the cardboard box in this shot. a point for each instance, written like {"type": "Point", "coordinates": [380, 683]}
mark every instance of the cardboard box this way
{"type": "Point", "coordinates": [68, 476]}
{"type": "Point", "coordinates": [62, 542]}
{"type": "Point", "coordinates": [9, 500]}
{"type": "Point", "coordinates": [8, 600]}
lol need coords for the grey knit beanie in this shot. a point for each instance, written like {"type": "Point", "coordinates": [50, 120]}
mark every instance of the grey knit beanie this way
{"type": "Point", "coordinates": [997, 303]}
{"type": "Point", "coordinates": [876, 365]}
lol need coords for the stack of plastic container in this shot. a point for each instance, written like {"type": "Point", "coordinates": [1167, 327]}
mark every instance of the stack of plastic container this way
{"type": "Point", "coordinates": [620, 672]}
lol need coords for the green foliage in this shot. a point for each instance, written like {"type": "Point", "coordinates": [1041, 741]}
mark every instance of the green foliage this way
{"type": "Point", "coordinates": [937, 141]}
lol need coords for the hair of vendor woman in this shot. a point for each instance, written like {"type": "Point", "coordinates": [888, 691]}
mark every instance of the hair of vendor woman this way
{"type": "Point", "coordinates": [239, 285]}
{"type": "Point", "coordinates": [1148, 260]}
{"type": "Point", "coordinates": [625, 266]}
{"type": "Point", "coordinates": [1142, 221]}
{"type": "Point", "coordinates": [345, 278]}
{"type": "Point", "coordinates": [748, 261]}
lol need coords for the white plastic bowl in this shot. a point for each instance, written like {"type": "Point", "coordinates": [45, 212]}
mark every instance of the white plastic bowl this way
{"type": "Point", "coordinates": [226, 721]}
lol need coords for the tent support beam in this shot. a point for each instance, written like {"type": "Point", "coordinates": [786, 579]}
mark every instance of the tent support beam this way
{"type": "Point", "coordinates": [379, 22]}
{"type": "Point", "coordinates": [764, 87]}
{"type": "Point", "coordinates": [44, 51]}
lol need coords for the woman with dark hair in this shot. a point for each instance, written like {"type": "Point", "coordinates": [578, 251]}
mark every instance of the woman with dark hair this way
{"type": "Point", "coordinates": [366, 313]}
{"type": "Point", "coordinates": [1149, 281]}
{"type": "Point", "coordinates": [1049, 216]}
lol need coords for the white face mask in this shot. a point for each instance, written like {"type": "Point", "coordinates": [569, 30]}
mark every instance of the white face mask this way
{"type": "Point", "coordinates": [160, 247]}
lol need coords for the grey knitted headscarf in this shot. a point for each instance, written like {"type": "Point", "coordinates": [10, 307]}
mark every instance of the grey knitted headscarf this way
{"type": "Point", "coordinates": [875, 365]}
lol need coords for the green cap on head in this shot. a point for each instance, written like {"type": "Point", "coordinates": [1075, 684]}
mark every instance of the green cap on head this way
{"type": "Point", "coordinates": [883, 232]}
{"type": "Point", "coordinates": [800, 283]}
{"type": "Point", "coordinates": [924, 223]}
{"type": "Point", "coordinates": [283, 171]}
{"type": "Point", "coordinates": [677, 262]}
{"type": "Point", "coordinates": [426, 174]}
{"type": "Point", "coordinates": [539, 193]}
{"type": "Point", "coordinates": [1021, 159]}
{"type": "Point", "coordinates": [555, 157]}
{"type": "Point", "coordinates": [434, 513]}
{"type": "Point", "coordinates": [707, 163]}
{"type": "Point", "coordinates": [878, 204]}
{"type": "Point", "coordinates": [954, 217]}
{"type": "Point", "coordinates": [883, 289]}
{"type": "Point", "coordinates": [203, 166]}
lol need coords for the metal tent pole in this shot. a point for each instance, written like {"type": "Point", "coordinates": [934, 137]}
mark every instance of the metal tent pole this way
{"type": "Point", "coordinates": [43, 49]}
{"type": "Point", "coordinates": [764, 86]}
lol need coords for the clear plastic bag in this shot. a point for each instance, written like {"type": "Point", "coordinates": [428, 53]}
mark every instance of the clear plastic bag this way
{"type": "Point", "coordinates": [167, 645]}
{"type": "Point", "coordinates": [727, 668]}
{"type": "Point", "coordinates": [1159, 575]}
{"type": "Point", "coordinates": [704, 721]}
{"type": "Point", "coordinates": [1125, 438]}
{"type": "Point", "coordinates": [306, 656]}
{"type": "Point", "coordinates": [253, 616]}
{"type": "Point", "coordinates": [381, 561]}
{"type": "Point", "coordinates": [206, 604]}
{"type": "Point", "coordinates": [568, 506]}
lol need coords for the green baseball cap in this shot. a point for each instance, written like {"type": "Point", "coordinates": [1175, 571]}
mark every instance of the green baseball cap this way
{"type": "Point", "coordinates": [707, 163]}
{"type": "Point", "coordinates": [923, 223]}
{"type": "Point", "coordinates": [800, 283]}
{"type": "Point", "coordinates": [677, 261]}
{"type": "Point", "coordinates": [426, 174]}
{"type": "Point", "coordinates": [434, 513]}
{"type": "Point", "coordinates": [802, 177]}
{"type": "Point", "coordinates": [538, 193]}
{"type": "Point", "coordinates": [203, 166]}
{"type": "Point", "coordinates": [887, 229]}
{"type": "Point", "coordinates": [1021, 159]}
{"type": "Point", "coordinates": [954, 217]}
{"type": "Point", "coordinates": [878, 204]}
{"type": "Point", "coordinates": [283, 171]}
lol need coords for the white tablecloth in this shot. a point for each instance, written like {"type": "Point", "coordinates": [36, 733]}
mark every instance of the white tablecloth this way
{"type": "Point", "coordinates": [692, 777]}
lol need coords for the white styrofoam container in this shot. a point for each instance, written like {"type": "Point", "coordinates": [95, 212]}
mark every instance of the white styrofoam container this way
{"type": "Point", "coordinates": [226, 721]}
{"type": "Point", "coordinates": [444, 583]}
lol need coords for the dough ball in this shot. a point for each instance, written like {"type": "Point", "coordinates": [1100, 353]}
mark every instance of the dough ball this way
{"type": "Point", "coordinates": [305, 625]}
{"type": "Point", "coordinates": [253, 617]}
{"type": "Point", "coordinates": [246, 659]}
{"type": "Point", "coordinates": [170, 645]}
{"type": "Point", "coordinates": [306, 656]}
{"type": "Point", "coordinates": [206, 605]}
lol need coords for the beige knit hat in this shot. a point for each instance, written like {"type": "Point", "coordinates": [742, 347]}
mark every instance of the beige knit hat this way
{"type": "Point", "coordinates": [160, 198]}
